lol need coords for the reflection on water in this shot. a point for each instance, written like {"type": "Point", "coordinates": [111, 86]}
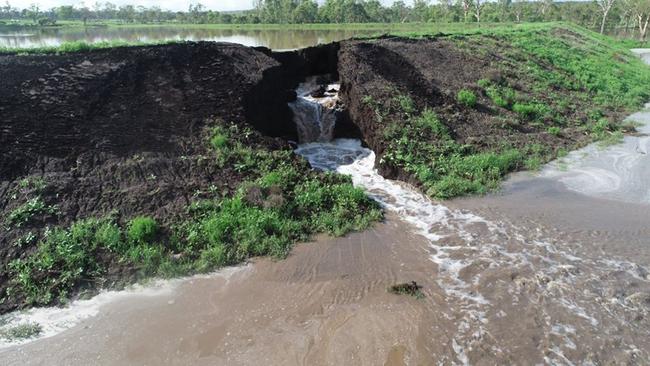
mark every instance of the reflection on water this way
{"type": "Point", "coordinates": [275, 39]}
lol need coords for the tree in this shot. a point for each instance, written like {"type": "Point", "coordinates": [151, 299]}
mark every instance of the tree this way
{"type": "Point", "coordinates": [641, 11]}
{"type": "Point", "coordinates": [518, 8]}
{"type": "Point", "coordinates": [33, 12]}
{"type": "Point", "coordinates": [305, 12]}
{"type": "Point", "coordinates": [605, 7]}
{"type": "Point", "coordinates": [467, 6]}
{"type": "Point", "coordinates": [544, 6]}
{"type": "Point", "coordinates": [478, 6]}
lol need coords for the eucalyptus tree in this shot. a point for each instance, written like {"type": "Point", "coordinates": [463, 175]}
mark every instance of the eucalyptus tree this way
{"type": "Point", "coordinates": [605, 7]}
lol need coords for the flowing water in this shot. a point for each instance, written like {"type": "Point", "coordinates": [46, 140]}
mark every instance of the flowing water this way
{"type": "Point", "coordinates": [315, 110]}
{"type": "Point", "coordinates": [618, 172]}
{"type": "Point", "coordinates": [553, 270]}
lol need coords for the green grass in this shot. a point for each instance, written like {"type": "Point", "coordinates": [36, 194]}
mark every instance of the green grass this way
{"type": "Point", "coordinates": [466, 97]}
{"type": "Point", "coordinates": [282, 202]}
{"type": "Point", "coordinates": [554, 78]}
{"type": "Point", "coordinates": [78, 47]}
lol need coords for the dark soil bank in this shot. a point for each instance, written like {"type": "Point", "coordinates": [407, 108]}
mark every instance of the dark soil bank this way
{"type": "Point", "coordinates": [121, 131]}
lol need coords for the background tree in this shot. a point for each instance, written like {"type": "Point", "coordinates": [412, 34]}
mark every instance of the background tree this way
{"type": "Point", "coordinates": [605, 7]}
{"type": "Point", "coordinates": [641, 11]}
{"type": "Point", "coordinates": [478, 7]}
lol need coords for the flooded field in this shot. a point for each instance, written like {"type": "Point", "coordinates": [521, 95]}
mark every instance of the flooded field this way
{"type": "Point", "coordinates": [274, 39]}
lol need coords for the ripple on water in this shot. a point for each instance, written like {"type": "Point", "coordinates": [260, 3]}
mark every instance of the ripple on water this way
{"type": "Point", "coordinates": [618, 172]}
{"type": "Point", "coordinates": [485, 267]}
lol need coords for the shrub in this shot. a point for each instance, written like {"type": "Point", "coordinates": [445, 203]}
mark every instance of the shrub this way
{"type": "Point", "coordinates": [530, 110]}
{"type": "Point", "coordinates": [142, 229]}
{"type": "Point", "coordinates": [406, 103]}
{"type": "Point", "coordinates": [22, 331]}
{"type": "Point", "coordinates": [555, 131]}
{"type": "Point", "coordinates": [218, 141]}
{"type": "Point", "coordinates": [466, 97]}
{"type": "Point", "coordinates": [63, 260]}
{"type": "Point", "coordinates": [430, 120]}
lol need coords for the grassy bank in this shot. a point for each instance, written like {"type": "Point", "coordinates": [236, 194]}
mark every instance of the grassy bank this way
{"type": "Point", "coordinates": [282, 201]}
{"type": "Point", "coordinates": [548, 89]}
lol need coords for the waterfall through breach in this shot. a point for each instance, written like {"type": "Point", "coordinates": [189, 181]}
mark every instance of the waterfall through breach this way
{"type": "Point", "coordinates": [315, 110]}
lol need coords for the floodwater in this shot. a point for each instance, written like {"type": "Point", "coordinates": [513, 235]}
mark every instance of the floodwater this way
{"type": "Point", "coordinates": [274, 39]}
{"type": "Point", "coordinates": [548, 271]}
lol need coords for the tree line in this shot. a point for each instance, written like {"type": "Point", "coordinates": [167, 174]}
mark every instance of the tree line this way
{"type": "Point", "coordinates": [602, 15]}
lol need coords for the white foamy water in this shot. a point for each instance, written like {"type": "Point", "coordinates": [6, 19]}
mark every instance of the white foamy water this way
{"type": "Point", "coordinates": [315, 117]}
{"type": "Point", "coordinates": [54, 320]}
{"type": "Point", "coordinates": [494, 270]}
{"type": "Point", "coordinates": [620, 172]}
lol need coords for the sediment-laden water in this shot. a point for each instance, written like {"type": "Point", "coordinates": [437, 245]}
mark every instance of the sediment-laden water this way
{"type": "Point", "coordinates": [619, 172]}
{"type": "Point", "coordinates": [496, 275]}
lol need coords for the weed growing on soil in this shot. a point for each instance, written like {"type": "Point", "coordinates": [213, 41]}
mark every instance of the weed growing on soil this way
{"type": "Point", "coordinates": [556, 80]}
{"type": "Point", "coordinates": [456, 169]}
{"type": "Point", "coordinates": [22, 214]}
{"type": "Point", "coordinates": [466, 97]}
{"type": "Point", "coordinates": [22, 331]}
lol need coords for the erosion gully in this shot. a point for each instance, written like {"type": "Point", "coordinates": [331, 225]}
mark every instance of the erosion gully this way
{"type": "Point", "coordinates": [552, 270]}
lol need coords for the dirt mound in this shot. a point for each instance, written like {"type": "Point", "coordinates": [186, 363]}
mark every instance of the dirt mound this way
{"type": "Point", "coordinates": [120, 132]}
{"type": "Point", "coordinates": [430, 72]}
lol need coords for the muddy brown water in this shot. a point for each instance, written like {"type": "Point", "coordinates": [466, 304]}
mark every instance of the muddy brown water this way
{"type": "Point", "coordinates": [274, 39]}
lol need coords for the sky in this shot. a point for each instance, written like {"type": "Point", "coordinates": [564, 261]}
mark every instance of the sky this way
{"type": "Point", "coordinates": [175, 5]}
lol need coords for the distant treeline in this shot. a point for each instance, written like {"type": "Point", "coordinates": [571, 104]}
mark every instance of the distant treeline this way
{"type": "Point", "coordinates": [598, 14]}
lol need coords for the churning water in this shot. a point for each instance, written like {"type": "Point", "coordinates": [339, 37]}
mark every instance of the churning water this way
{"type": "Point", "coordinates": [315, 110]}
{"type": "Point", "coordinates": [497, 275]}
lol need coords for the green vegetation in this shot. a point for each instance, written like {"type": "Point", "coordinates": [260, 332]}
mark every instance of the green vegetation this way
{"type": "Point", "coordinates": [19, 332]}
{"type": "Point", "coordinates": [282, 202]}
{"type": "Point", "coordinates": [552, 80]}
{"type": "Point", "coordinates": [622, 17]}
{"type": "Point", "coordinates": [22, 214]}
{"type": "Point", "coordinates": [77, 46]}
{"type": "Point", "coordinates": [467, 98]}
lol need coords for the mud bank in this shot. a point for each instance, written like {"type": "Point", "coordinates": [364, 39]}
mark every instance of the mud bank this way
{"type": "Point", "coordinates": [124, 132]}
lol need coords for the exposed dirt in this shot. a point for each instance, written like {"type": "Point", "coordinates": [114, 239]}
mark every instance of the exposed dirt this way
{"type": "Point", "coordinates": [432, 71]}
{"type": "Point", "coordinates": [121, 131]}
